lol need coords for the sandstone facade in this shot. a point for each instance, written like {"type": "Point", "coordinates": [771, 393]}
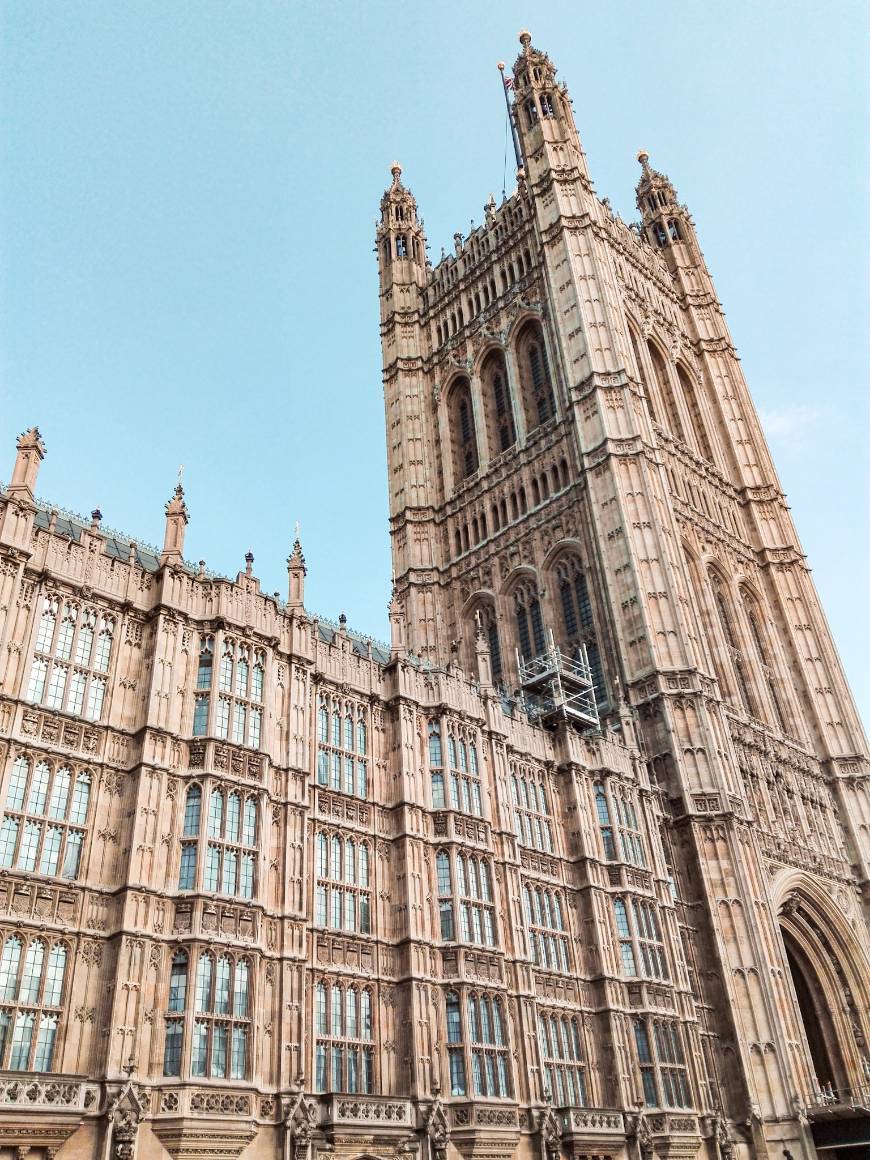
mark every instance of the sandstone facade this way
{"type": "Point", "coordinates": [576, 865]}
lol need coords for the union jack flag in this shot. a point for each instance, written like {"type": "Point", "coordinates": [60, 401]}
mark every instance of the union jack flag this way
{"type": "Point", "coordinates": [508, 83]}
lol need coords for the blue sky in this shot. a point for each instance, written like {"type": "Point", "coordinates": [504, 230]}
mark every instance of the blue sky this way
{"type": "Point", "coordinates": [187, 204]}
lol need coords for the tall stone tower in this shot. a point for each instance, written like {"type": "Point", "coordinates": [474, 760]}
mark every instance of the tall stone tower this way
{"type": "Point", "coordinates": [577, 468]}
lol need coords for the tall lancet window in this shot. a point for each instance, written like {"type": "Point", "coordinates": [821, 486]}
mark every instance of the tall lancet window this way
{"type": "Point", "coordinates": [735, 653]}
{"type": "Point", "coordinates": [539, 401]}
{"type": "Point", "coordinates": [666, 393]}
{"type": "Point", "coordinates": [463, 434]}
{"type": "Point", "coordinates": [501, 430]}
{"type": "Point", "coordinates": [529, 621]}
{"type": "Point", "coordinates": [578, 621]}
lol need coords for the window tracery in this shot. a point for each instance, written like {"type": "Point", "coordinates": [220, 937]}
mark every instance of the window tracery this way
{"type": "Point", "coordinates": [529, 620]}
{"type": "Point", "coordinates": [46, 812]}
{"type": "Point", "coordinates": [218, 1021]}
{"type": "Point", "coordinates": [32, 972]}
{"type": "Point", "coordinates": [579, 621]}
{"type": "Point", "coordinates": [641, 945]}
{"type": "Point", "coordinates": [460, 775]}
{"type": "Point", "coordinates": [463, 435]}
{"type": "Point", "coordinates": [71, 658]}
{"type": "Point", "coordinates": [535, 378]}
{"type": "Point", "coordinates": [532, 815]}
{"type": "Point", "coordinates": [342, 895]}
{"type": "Point", "coordinates": [344, 1034]}
{"type": "Point", "coordinates": [501, 428]}
{"type": "Point", "coordinates": [618, 824]}
{"type": "Point", "coordinates": [547, 928]}
{"type": "Point", "coordinates": [477, 1044]}
{"type": "Point", "coordinates": [342, 737]}
{"type": "Point", "coordinates": [229, 856]}
{"type": "Point", "coordinates": [659, 1047]}
{"type": "Point", "coordinates": [238, 697]}
{"type": "Point", "coordinates": [464, 884]}
{"type": "Point", "coordinates": [562, 1059]}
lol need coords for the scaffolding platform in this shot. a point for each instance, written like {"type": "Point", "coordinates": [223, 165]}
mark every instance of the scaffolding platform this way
{"type": "Point", "coordinates": [557, 687]}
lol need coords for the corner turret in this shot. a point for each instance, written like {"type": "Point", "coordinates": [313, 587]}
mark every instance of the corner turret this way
{"type": "Point", "coordinates": [401, 241]}
{"type": "Point", "coordinates": [544, 118]}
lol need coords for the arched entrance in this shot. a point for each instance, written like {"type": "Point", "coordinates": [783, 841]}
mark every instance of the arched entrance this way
{"type": "Point", "coordinates": [815, 1014]}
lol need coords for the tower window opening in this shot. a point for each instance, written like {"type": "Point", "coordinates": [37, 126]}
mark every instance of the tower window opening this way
{"type": "Point", "coordinates": [401, 246]}
{"type": "Point", "coordinates": [531, 111]}
{"type": "Point", "coordinates": [458, 542]}
{"type": "Point", "coordinates": [662, 199]}
{"type": "Point", "coordinates": [651, 202]}
{"type": "Point", "coordinates": [547, 109]}
{"type": "Point", "coordinates": [515, 511]}
{"type": "Point", "coordinates": [475, 531]}
{"type": "Point", "coordinates": [524, 507]}
{"type": "Point", "coordinates": [400, 213]}
{"type": "Point", "coordinates": [504, 512]}
{"type": "Point", "coordinates": [483, 525]}
{"type": "Point", "coordinates": [674, 230]}
{"type": "Point", "coordinates": [545, 487]}
{"type": "Point", "coordinates": [536, 493]}
{"type": "Point", "coordinates": [495, 519]}
{"type": "Point", "coordinates": [465, 537]}
{"type": "Point", "coordinates": [529, 621]}
{"type": "Point", "coordinates": [660, 235]}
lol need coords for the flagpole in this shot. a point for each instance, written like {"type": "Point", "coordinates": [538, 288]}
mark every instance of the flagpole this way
{"type": "Point", "coordinates": [505, 84]}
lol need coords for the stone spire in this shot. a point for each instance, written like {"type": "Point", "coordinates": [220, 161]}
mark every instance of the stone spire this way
{"type": "Point", "coordinates": [296, 572]}
{"type": "Point", "coordinates": [31, 452]}
{"type": "Point", "coordinates": [177, 517]}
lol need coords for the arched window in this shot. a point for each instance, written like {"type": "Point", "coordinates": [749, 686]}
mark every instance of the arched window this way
{"type": "Point", "coordinates": [562, 1059]}
{"type": "Point", "coordinates": [220, 1046]}
{"type": "Point", "coordinates": [641, 372]}
{"type": "Point", "coordinates": [480, 1047]}
{"type": "Point", "coordinates": [539, 401]}
{"type": "Point", "coordinates": [666, 394]}
{"type": "Point", "coordinates": [31, 992]}
{"type": "Point", "coordinates": [41, 830]}
{"type": "Point", "coordinates": [342, 898]}
{"type": "Point", "coordinates": [687, 383]}
{"type": "Point", "coordinates": [462, 431]}
{"type": "Point", "coordinates": [343, 1051]}
{"type": "Point", "coordinates": [531, 808]}
{"type": "Point", "coordinates": [659, 1047]}
{"type": "Point", "coordinates": [67, 672]}
{"type": "Point", "coordinates": [545, 921]}
{"type": "Point", "coordinates": [726, 623]}
{"type": "Point", "coordinates": [754, 619]}
{"type": "Point", "coordinates": [341, 753]}
{"type": "Point", "coordinates": [578, 621]}
{"type": "Point", "coordinates": [489, 624]}
{"type": "Point", "coordinates": [529, 621]}
{"type": "Point", "coordinates": [500, 426]}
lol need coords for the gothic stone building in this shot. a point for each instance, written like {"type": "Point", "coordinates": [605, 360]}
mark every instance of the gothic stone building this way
{"type": "Point", "coordinates": [576, 867]}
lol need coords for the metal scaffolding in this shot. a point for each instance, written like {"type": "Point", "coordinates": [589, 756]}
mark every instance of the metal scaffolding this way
{"type": "Point", "coordinates": [557, 687]}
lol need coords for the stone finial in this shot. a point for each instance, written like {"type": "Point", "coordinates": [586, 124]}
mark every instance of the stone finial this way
{"type": "Point", "coordinates": [643, 158]}
{"type": "Point", "coordinates": [249, 563]}
{"type": "Point", "coordinates": [526, 39]}
{"type": "Point", "coordinates": [296, 572]}
{"type": "Point", "coordinates": [96, 519]}
{"type": "Point", "coordinates": [176, 521]}
{"type": "Point", "coordinates": [31, 452]}
{"type": "Point", "coordinates": [396, 171]}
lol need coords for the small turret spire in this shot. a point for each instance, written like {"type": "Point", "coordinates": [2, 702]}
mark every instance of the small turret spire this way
{"type": "Point", "coordinates": [296, 572]}
{"type": "Point", "coordinates": [31, 452]}
{"type": "Point", "coordinates": [177, 517]}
